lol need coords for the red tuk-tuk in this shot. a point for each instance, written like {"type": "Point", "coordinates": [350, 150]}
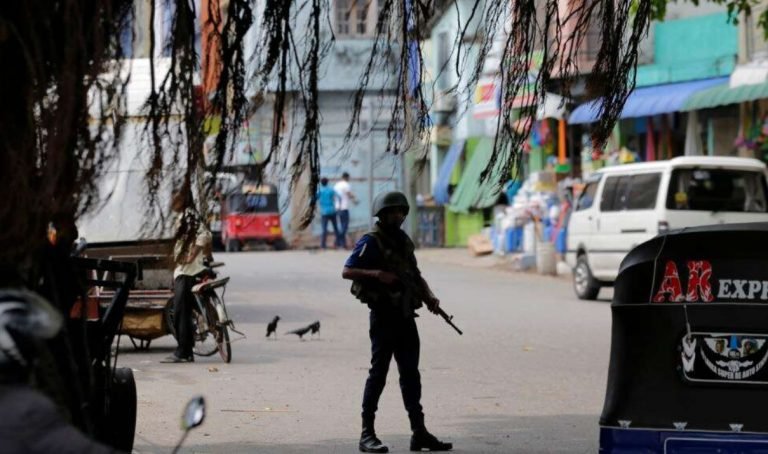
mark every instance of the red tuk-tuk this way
{"type": "Point", "coordinates": [251, 216]}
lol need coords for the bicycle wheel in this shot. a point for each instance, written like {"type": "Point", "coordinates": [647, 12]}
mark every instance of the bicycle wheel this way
{"type": "Point", "coordinates": [206, 326]}
{"type": "Point", "coordinates": [221, 332]}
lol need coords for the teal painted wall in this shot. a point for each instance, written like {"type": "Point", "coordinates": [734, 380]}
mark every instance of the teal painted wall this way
{"type": "Point", "coordinates": [689, 49]}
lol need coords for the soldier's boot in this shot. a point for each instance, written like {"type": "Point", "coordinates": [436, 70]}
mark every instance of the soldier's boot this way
{"type": "Point", "coordinates": [369, 442]}
{"type": "Point", "coordinates": [422, 439]}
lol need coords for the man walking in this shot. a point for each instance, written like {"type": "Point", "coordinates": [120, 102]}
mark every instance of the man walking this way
{"type": "Point", "coordinates": [326, 200]}
{"type": "Point", "coordinates": [192, 243]}
{"type": "Point", "coordinates": [386, 277]}
{"type": "Point", "coordinates": [344, 191]}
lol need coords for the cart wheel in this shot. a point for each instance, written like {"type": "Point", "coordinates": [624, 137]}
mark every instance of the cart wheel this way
{"type": "Point", "coordinates": [585, 286]}
{"type": "Point", "coordinates": [122, 410]}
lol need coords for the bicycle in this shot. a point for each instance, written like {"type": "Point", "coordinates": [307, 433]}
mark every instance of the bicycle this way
{"type": "Point", "coordinates": [211, 322]}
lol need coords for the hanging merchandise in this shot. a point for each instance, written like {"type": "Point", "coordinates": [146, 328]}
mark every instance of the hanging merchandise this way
{"type": "Point", "coordinates": [545, 132]}
{"type": "Point", "coordinates": [561, 158]}
{"type": "Point", "coordinates": [626, 156]}
{"type": "Point", "coordinates": [535, 138]}
{"type": "Point", "coordinates": [650, 147]}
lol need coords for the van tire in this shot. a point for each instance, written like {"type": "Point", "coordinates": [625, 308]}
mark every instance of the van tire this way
{"type": "Point", "coordinates": [585, 285]}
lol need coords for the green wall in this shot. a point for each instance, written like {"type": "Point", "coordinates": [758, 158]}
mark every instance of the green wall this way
{"type": "Point", "coordinates": [459, 227]}
{"type": "Point", "coordinates": [689, 49]}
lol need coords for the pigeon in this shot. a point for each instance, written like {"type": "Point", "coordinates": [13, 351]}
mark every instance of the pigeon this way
{"type": "Point", "coordinates": [272, 326]}
{"type": "Point", "coordinates": [301, 331]}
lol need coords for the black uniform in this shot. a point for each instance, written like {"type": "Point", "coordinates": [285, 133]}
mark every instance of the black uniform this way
{"type": "Point", "coordinates": [393, 328]}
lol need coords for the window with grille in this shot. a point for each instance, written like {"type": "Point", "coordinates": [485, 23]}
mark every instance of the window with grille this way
{"type": "Point", "coordinates": [354, 18]}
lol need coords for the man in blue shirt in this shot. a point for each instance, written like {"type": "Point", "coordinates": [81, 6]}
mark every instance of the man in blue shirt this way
{"type": "Point", "coordinates": [326, 200]}
{"type": "Point", "coordinates": [386, 277]}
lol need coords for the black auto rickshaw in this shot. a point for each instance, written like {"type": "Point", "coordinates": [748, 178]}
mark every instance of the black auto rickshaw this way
{"type": "Point", "coordinates": [689, 349]}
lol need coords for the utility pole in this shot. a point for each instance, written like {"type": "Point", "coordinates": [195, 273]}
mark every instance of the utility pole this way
{"type": "Point", "coordinates": [371, 156]}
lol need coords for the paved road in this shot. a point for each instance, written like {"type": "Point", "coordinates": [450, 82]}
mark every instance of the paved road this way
{"type": "Point", "coordinates": [528, 376]}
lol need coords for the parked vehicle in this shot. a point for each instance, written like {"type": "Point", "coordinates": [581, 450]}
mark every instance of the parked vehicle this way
{"type": "Point", "coordinates": [623, 206]}
{"type": "Point", "coordinates": [251, 216]}
{"type": "Point", "coordinates": [148, 313]}
{"type": "Point", "coordinates": [689, 346]}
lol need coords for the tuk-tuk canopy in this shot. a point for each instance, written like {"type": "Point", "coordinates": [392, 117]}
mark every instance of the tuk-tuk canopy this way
{"type": "Point", "coordinates": [689, 344]}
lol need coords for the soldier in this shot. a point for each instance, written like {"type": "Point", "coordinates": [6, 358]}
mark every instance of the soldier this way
{"type": "Point", "coordinates": [386, 277]}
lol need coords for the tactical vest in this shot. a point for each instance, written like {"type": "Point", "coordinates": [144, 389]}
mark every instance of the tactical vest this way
{"type": "Point", "coordinates": [397, 260]}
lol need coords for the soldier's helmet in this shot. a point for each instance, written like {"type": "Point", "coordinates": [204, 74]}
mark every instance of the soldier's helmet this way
{"type": "Point", "coordinates": [393, 199]}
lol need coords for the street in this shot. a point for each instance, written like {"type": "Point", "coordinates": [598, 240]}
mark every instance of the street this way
{"type": "Point", "coordinates": [528, 376]}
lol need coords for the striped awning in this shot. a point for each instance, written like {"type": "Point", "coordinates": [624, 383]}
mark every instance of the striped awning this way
{"type": "Point", "coordinates": [723, 95]}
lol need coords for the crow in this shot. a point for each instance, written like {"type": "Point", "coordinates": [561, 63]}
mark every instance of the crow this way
{"type": "Point", "coordinates": [315, 327]}
{"type": "Point", "coordinates": [272, 326]}
{"type": "Point", "coordinates": [301, 331]}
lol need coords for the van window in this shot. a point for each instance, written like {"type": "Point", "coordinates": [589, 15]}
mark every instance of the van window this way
{"type": "Point", "coordinates": [614, 193]}
{"type": "Point", "coordinates": [587, 197]}
{"type": "Point", "coordinates": [643, 191]}
{"type": "Point", "coordinates": [742, 191]}
{"type": "Point", "coordinates": [630, 192]}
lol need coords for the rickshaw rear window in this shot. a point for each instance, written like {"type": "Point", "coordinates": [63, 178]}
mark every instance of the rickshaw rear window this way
{"type": "Point", "coordinates": [253, 203]}
{"type": "Point", "coordinates": [731, 190]}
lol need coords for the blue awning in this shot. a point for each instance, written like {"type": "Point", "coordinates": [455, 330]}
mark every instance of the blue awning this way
{"type": "Point", "coordinates": [647, 101]}
{"type": "Point", "coordinates": [440, 191]}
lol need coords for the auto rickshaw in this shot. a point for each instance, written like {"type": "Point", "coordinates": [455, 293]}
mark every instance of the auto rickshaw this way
{"type": "Point", "coordinates": [251, 216]}
{"type": "Point", "coordinates": [689, 346]}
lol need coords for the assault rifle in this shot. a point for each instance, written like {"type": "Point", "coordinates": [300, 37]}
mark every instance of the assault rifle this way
{"type": "Point", "coordinates": [412, 285]}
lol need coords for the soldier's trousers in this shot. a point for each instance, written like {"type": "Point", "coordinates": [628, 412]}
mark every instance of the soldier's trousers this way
{"type": "Point", "coordinates": [393, 335]}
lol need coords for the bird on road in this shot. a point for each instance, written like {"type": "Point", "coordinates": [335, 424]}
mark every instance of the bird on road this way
{"type": "Point", "coordinates": [301, 331]}
{"type": "Point", "coordinates": [272, 326]}
{"type": "Point", "coordinates": [315, 327]}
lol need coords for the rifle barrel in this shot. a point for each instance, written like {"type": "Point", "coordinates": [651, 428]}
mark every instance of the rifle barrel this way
{"type": "Point", "coordinates": [449, 319]}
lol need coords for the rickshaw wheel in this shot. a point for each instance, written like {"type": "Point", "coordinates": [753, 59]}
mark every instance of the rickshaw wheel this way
{"type": "Point", "coordinates": [584, 285]}
{"type": "Point", "coordinates": [122, 410]}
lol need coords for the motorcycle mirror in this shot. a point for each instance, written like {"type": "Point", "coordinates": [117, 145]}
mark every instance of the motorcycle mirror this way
{"type": "Point", "coordinates": [194, 414]}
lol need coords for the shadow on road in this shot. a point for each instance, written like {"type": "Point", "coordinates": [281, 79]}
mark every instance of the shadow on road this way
{"type": "Point", "coordinates": [488, 434]}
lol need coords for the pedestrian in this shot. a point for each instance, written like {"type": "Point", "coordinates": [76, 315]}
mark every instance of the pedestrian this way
{"type": "Point", "coordinates": [193, 243]}
{"type": "Point", "coordinates": [326, 199]}
{"type": "Point", "coordinates": [386, 277]}
{"type": "Point", "coordinates": [344, 191]}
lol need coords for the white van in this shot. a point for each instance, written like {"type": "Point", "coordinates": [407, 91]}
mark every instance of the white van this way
{"type": "Point", "coordinates": [623, 206]}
